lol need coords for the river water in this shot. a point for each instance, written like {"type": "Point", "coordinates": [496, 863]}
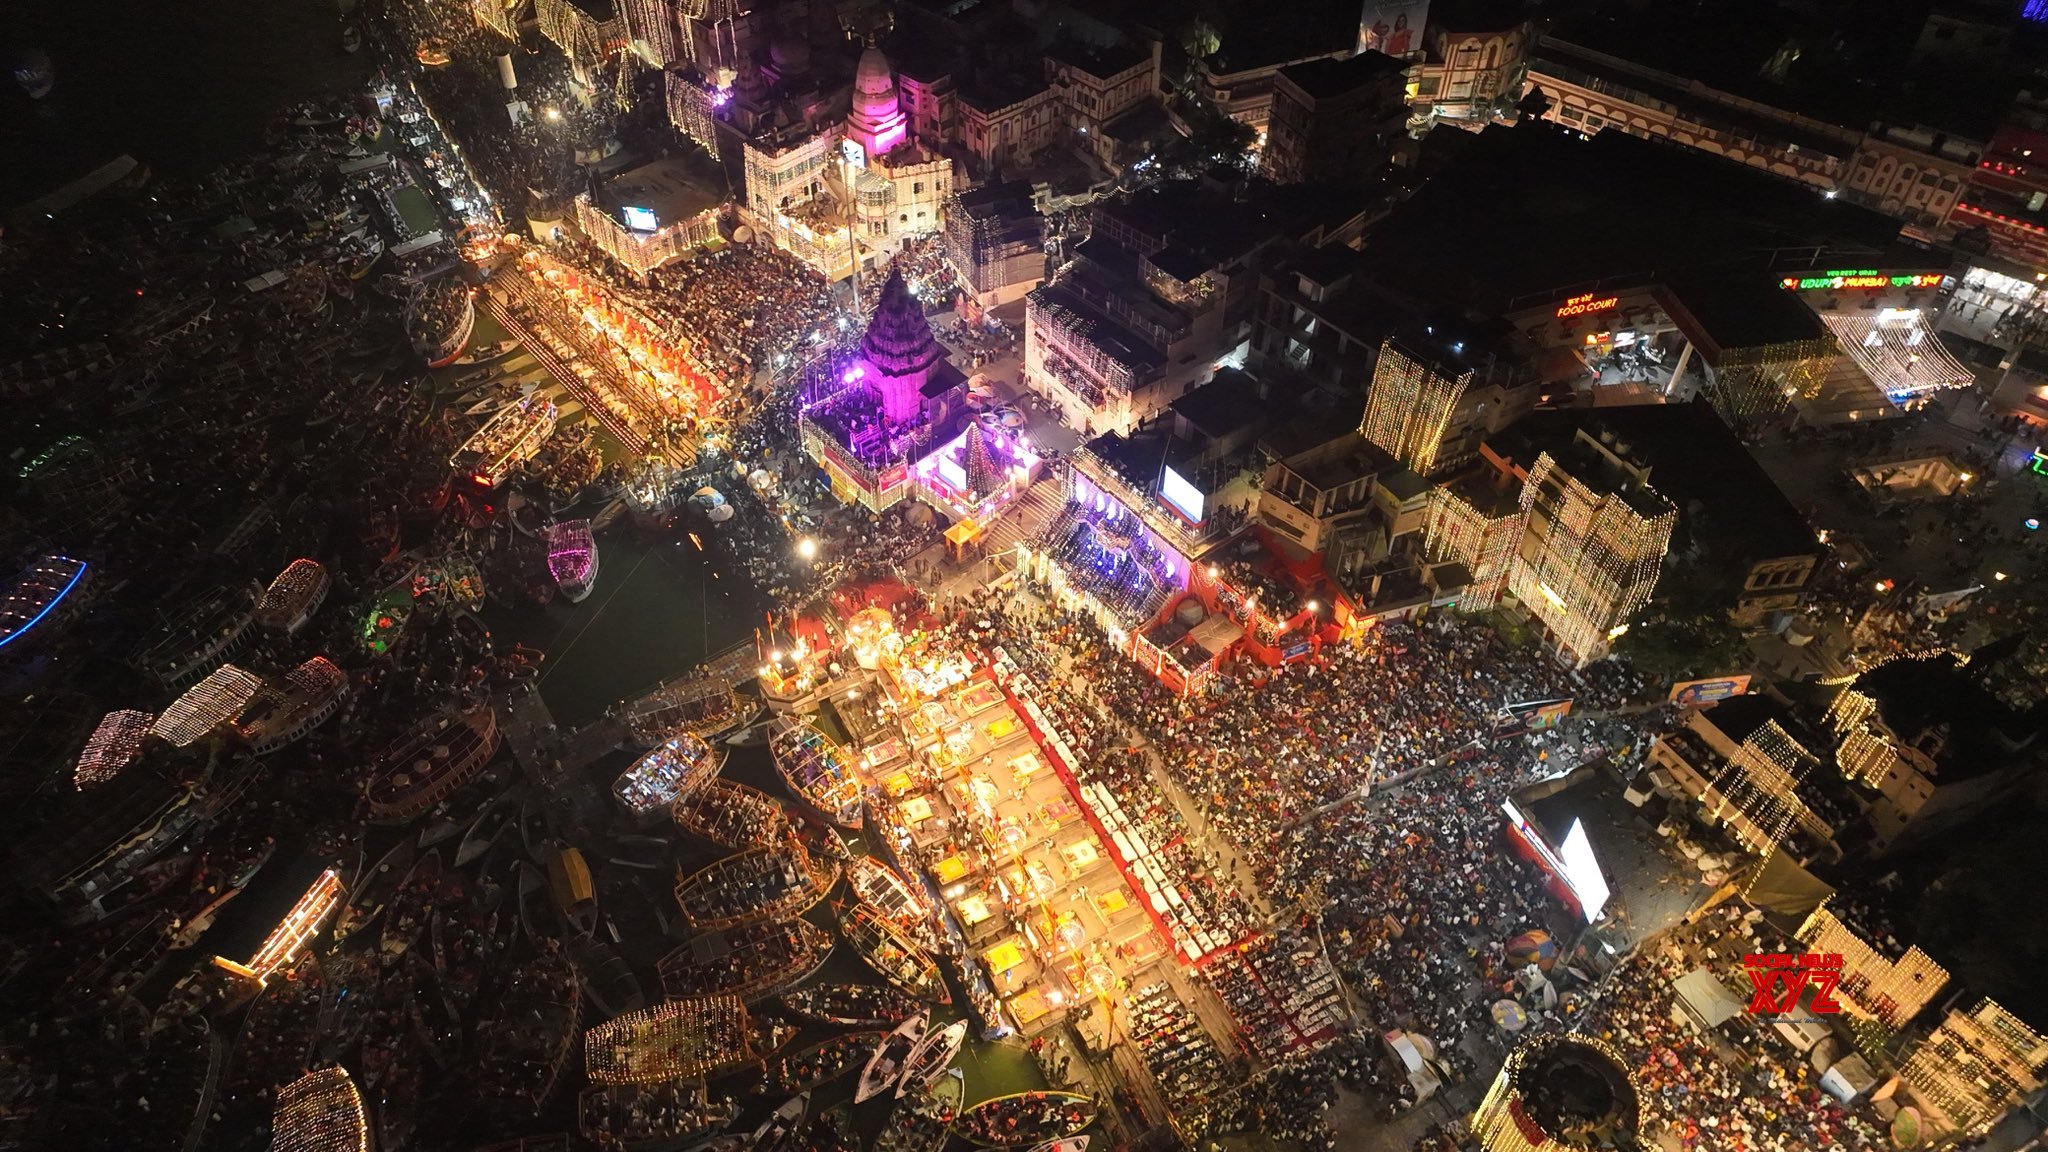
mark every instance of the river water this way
{"type": "Point", "coordinates": [181, 87]}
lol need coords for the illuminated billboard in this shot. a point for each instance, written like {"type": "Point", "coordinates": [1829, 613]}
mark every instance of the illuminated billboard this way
{"type": "Point", "coordinates": [1392, 26]}
{"type": "Point", "coordinates": [1582, 872]}
{"type": "Point", "coordinates": [641, 219]}
{"type": "Point", "coordinates": [1861, 278]}
{"type": "Point", "coordinates": [1695, 693]}
{"type": "Point", "coordinates": [1183, 496]}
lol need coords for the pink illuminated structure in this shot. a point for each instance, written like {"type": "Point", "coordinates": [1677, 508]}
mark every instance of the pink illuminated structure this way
{"type": "Point", "coordinates": [572, 558]}
{"type": "Point", "coordinates": [877, 123]}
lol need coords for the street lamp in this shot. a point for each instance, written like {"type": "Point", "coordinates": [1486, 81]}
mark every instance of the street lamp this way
{"type": "Point", "coordinates": [807, 549]}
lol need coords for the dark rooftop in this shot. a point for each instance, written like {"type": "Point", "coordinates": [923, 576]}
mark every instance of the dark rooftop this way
{"type": "Point", "coordinates": [1010, 198]}
{"type": "Point", "coordinates": [675, 188]}
{"type": "Point", "coordinates": [1983, 733]}
{"type": "Point", "coordinates": [1263, 36]}
{"type": "Point", "coordinates": [1582, 211]}
{"type": "Point", "coordinates": [1740, 311]}
{"type": "Point", "coordinates": [1326, 78]}
{"type": "Point", "coordinates": [1226, 404]}
{"type": "Point", "coordinates": [1101, 63]}
{"type": "Point", "coordinates": [1726, 502]}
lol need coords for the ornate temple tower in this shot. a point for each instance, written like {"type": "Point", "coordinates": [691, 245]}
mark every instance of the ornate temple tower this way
{"type": "Point", "coordinates": [900, 351]}
{"type": "Point", "coordinates": [876, 121]}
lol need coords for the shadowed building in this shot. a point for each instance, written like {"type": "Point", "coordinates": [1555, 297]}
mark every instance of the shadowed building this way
{"type": "Point", "coordinates": [1560, 1092]}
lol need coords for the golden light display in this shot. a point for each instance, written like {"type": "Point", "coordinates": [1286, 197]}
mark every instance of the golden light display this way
{"type": "Point", "coordinates": [286, 942]}
{"type": "Point", "coordinates": [1506, 1121]}
{"type": "Point", "coordinates": [1975, 1067]}
{"type": "Point", "coordinates": [1407, 408]}
{"type": "Point", "coordinates": [1454, 529]}
{"type": "Point", "coordinates": [677, 1039]}
{"type": "Point", "coordinates": [320, 1112]}
{"type": "Point", "coordinates": [1892, 991]}
{"type": "Point", "coordinates": [114, 745]}
{"type": "Point", "coordinates": [1597, 561]}
{"type": "Point", "coordinates": [206, 706]}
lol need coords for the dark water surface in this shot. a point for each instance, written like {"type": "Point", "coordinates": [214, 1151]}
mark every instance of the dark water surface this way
{"type": "Point", "coordinates": [179, 85]}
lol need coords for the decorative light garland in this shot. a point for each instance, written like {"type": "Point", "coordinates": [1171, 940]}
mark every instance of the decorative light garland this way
{"type": "Point", "coordinates": [320, 1112]}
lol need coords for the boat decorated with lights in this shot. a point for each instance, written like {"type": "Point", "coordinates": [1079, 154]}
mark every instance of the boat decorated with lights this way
{"type": "Point", "coordinates": [700, 705]}
{"type": "Point", "coordinates": [439, 319]}
{"type": "Point", "coordinates": [772, 883]}
{"type": "Point", "coordinates": [1023, 1119]}
{"type": "Point", "coordinates": [661, 1114]}
{"type": "Point", "coordinates": [292, 598]}
{"type": "Point", "coordinates": [320, 1112]}
{"type": "Point", "coordinates": [885, 1066]}
{"type": "Point", "coordinates": [923, 1122]}
{"type": "Point", "coordinates": [429, 763]}
{"type": "Point", "coordinates": [676, 1039]}
{"type": "Point", "coordinates": [41, 598]}
{"type": "Point", "coordinates": [506, 441]}
{"type": "Point", "coordinates": [286, 710]}
{"type": "Point", "coordinates": [753, 961]}
{"type": "Point", "coordinates": [572, 558]}
{"type": "Point", "coordinates": [731, 815]}
{"type": "Point", "coordinates": [900, 901]}
{"type": "Point", "coordinates": [890, 952]}
{"type": "Point", "coordinates": [822, 1063]}
{"type": "Point", "coordinates": [675, 769]}
{"type": "Point", "coordinates": [930, 1059]}
{"type": "Point", "coordinates": [818, 770]}
{"type": "Point", "coordinates": [852, 1005]}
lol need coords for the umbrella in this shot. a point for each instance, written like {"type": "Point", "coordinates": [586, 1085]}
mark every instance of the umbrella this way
{"type": "Point", "coordinates": [1509, 1016]}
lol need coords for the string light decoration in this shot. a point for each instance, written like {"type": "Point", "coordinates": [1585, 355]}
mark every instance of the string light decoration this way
{"type": "Point", "coordinates": [691, 99]}
{"type": "Point", "coordinates": [287, 942]}
{"type": "Point", "coordinates": [1975, 1068]}
{"type": "Point", "coordinates": [993, 241]}
{"type": "Point", "coordinates": [1849, 709]}
{"type": "Point", "coordinates": [293, 596]}
{"type": "Point", "coordinates": [37, 594]}
{"type": "Point", "coordinates": [1596, 558]}
{"type": "Point", "coordinates": [1525, 1109]}
{"type": "Point", "coordinates": [1891, 991]}
{"type": "Point", "coordinates": [206, 706]}
{"type": "Point", "coordinates": [1059, 347]}
{"type": "Point", "coordinates": [498, 16]}
{"type": "Point", "coordinates": [1456, 529]}
{"type": "Point", "coordinates": [320, 1112]}
{"type": "Point", "coordinates": [1756, 383]}
{"type": "Point", "coordinates": [114, 745]}
{"type": "Point", "coordinates": [1865, 756]}
{"type": "Point", "coordinates": [1757, 790]}
{"type": "Point", "coordinates": [676, 1039]}
{"type": "Point", "coordinates": [1408, 406]}
{"type": "Point", "coordinates": [1895, 349]}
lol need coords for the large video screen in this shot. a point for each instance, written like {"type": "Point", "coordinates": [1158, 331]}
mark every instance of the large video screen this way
{"type": "Point", "coordinates": [641, 219]}
{"type": "Point", "coordinates": [1582, 871]}
{"type": "Point", "coordinates": [1185, 497]}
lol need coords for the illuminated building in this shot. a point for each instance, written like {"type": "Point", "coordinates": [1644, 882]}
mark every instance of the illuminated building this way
{"type": "Point", "coordinates": [1748, 774]}
{"type": "Point", "coordinates": [647, 216]}
{"type": "Point", "coordinates": [1560, 1091]}
{"type": "Point", "coordinates": [320, 1112]}
{"type": "Point", "coordinates": [1896, 350]}
{"type": "Point", "coordinates": [1928, 744]}
{"type": "Point", "coordinates": [1595, 543]}
{"type": "Point", "coordinates": [1408, 408]}
{"type": "Point", "coordinates": [1316, 496]}
{"type": "Point", "coordinates": [1004, 123]}
{"type": "Point", "coordinates": [1473, 68]}
{"type": "Point", "coordinates": [1103, 90]}
{"type": "Point", "coordinates": [1874, 986]}
{"type": "Point", "coordinates": [692, 104]}
{"type": "Point", "coordinates": [1239, 82]}
{"type": "Point", "coordinates": [995, 242]}
{"type": "Point", "coordinates": [2008, 188]}
{"type": "Point", "coordinates": [1336, 121]}
{"type": "Point", "coordinates": [1477, 526]}
{"type": "Point", "coordinates": [1975, 1068]}
{"type": "Point", "coordinates": [876, 123]}
{"type": "Point", "coordinates": [287, 942]}
{"type": "Point", "coordinates": [1592, 91]}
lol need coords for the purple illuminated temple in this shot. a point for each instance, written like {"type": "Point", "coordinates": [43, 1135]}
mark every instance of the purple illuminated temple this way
{"type": "Point", "coordinates": [890, 419]}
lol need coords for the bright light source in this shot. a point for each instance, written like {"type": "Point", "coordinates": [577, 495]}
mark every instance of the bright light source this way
{"type": "Point", "coordinates": [1315, 606]}
{"type": "Point", "coordinates": [1998, 575]}
{"type": "Point", "coordinates": [1618, 631]}
{"type": "Point", "coordinates": [554, 113]}
{"type": "Point", "coordinates": [807, 549]}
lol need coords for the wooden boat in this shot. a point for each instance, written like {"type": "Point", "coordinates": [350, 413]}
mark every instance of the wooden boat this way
{"type": "Point", "coordinates": [818, 834]}
{"type": "Point", "coordinates": [735, 1142]}
{"type": "Point", "coordinates": [931, 1058]}
{"type": "Point", "coordinates": [608, 981]}
{"type": "Point", "coordinates": [572, 559]}
{"type": "Point", "coordinates": [697, 704]}
{"type": "Point", "coordinates": [1070, 1144]}
{"type": "Point", "coordinates": [524, 1043]}
{"type": "Point", "coordinates": [1024, 1119]}
{"type": "Point", "coordinates": [575, 895]}
{"type": "Point", "coordinates": [673, 769]}
{"type": "Point", "coordinates": [923, 1123]}
{"type": "Point", "coordinates": [277, 1037]}
{"type": "Point", "coordinates": [901, 901]}
{"type": "Point", "coordinates": [891, 953]}
{"type": "Point", "coordinates": [429, 763]}
{"type": "Point", "coordinates": [731, 815]}
{"type": "Point", "coordinates": [661, 1114]}
{"type": "Point", "coordinates": [820, 772]}
{"type": "Point", "coordinates": [821, 1063]}
{"type": "Point", "coordinates": [374, 890]}
{"type": "Point", "coordinates": [770, 1035]}
{"type": "Point", "coordinates": [832, 1131]}
{"type": "Point", "coordinates": [758, 884]}
{"type": "Point", "coordinates": [886, 1066]}
{"type": "Point", "coordinates": [411, 905]}
{"type": "Point", "coordinates": [490, 823]}
{"type": "Point", "coordinates": [534, 833]}
{"type": "Point", "coordinates": [484, 353]}
{"type": "Point", "coordinates": [852, 1005]}
{"type": "Point", "coordinates": [753, 962]}
{"type": "Point", "coordinates": [779, 1132]}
